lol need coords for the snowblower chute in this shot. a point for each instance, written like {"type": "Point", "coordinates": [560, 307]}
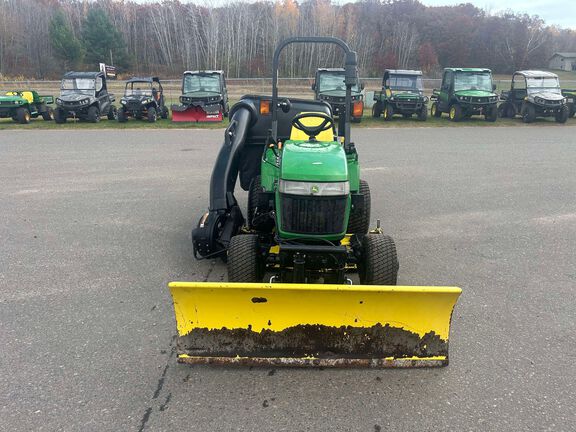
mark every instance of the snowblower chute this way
{"type": "Point", "coordinates": [305, 240]}
{"type": "Point", "coordinates": [204, 97]}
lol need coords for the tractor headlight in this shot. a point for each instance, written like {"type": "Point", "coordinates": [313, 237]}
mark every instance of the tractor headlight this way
{"type": "Point", "coordinates": [313, 188]}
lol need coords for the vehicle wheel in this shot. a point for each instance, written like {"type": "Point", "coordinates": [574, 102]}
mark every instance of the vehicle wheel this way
{"type": "Point", "coordinates": [528, 113]}
{"type": "Point", "coordinates": [377, 109]}
{"type": "Point", "coordinates": [93, 115]}
{"type": "Point", "coordinates": [434, 111]}
{"type": "Point", "coordinates": [152, 116]}
{"type": "Point", "coordinates": [253, 192]}
{"type": "Point", "coordinates": [572, 110]}
{"type": "Point", "coordinates": [60, 116]}
{"type": "Point", "coordinates": [164, 114]}
{"type": "Point", "coordinates": [423, 114]}
{"type": "Point", "coordinates": [491, 114]}
{"type": "Point", "coordinates": [23, 115]}
{"type": "Point", "coordinates": [379, 262]}
{"type": "Point", "coordinates": [48, 115]}
{"type": "Point", "coordinates": [562, 116]}
{"type": "Point", "coordinates": [245, 264]}
{"type": "Point", "coordinates": [388, 112]}
{"type": "Point", "coordinates": [112, 113]}
{"type": "Point", "coordinates": [122, 115]}
{"type": "Point", "coordinates": [455, 113]}
{"type": "Point", "coordinates": [359, 222]}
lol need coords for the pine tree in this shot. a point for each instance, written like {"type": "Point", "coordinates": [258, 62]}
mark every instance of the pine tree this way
{"type": "Point", "coordinates": [67, 47]}
{"type": "Point", "coordinates": [103, 43]}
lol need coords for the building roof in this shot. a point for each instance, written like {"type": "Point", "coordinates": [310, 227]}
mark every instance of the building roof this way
{"type": "Point", "coordinates": [536, 74]}
{"type": "Point", "coordinates": [565, 54]}
{"type": "Point", "coordinates": [403, 72]}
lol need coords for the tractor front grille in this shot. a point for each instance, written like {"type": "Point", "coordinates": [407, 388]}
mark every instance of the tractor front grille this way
{"type": "Point", "coordinates": [313, 215]}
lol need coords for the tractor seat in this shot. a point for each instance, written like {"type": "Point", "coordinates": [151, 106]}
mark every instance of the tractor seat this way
{"type": "Point", "coordinates": [298, 135]}
{"type": "Point", "coordinates": [28, 96]}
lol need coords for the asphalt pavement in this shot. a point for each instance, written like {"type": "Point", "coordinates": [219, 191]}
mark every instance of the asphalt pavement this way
{"type": "Point", "coordinates": [96, 223]}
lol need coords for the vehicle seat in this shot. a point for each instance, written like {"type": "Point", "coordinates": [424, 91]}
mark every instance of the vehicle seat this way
{"type": "Point", "coordinates": [298, 135]}
{"type": "Point", "coordinates": [28, 96]}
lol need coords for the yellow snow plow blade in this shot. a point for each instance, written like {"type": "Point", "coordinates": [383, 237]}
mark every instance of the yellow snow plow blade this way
{"type": "Point", "coordinates": [313, 325]}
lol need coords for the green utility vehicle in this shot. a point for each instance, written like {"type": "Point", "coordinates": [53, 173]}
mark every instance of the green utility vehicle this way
{"type": "Point", "coordinates": [22, 105]}
{"type": "Point", "coordinates": [534, 94]}
{"type": "Point", "coordinates": [329, 86]}
{"type": "Point", "coordinates": [570, 96]}
{"type": "Point", "coordinates": [84, 95]}
{"type": "Point", "coordinates": [465, 92]}
{"type": "Point", "coordinates": [402, 93]}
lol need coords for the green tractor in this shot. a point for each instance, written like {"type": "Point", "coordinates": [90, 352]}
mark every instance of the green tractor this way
{"type": "Point", "coordinates": [465, 92]}
{"type": "Point", "coordinates": [570, 96]}
{"type": "Point", "coordinates": [402, 93]}
{"type": "Point", "coordinates": [22, 105]}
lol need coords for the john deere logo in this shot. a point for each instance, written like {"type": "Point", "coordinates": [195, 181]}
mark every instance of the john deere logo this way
{"type": "Point", "coordinates": [315, 189]}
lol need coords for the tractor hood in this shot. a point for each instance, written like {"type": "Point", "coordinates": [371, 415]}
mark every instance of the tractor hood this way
{"type": "Point", "coordinates": [474, 93]}
{"type": "Point", "coordinates": [143, 99]}
{"type": "Point", "coordinates": [406, 95]}
{"type": "Point", "coordinates": [74, 98]}
{"type": "Point", "coordinates": [313, 161]}
{"type": "Point", "coordinates": [547, 95]}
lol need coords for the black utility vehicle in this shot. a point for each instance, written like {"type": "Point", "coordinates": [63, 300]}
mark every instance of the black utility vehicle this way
{"type": "Point", "coordinates": [534, 94]}
{"type": "Point", "coordinates": [402, 93]}
{"type": "Point", "coordinates": [143, 98]}
{"type": "Point", "coordinates": [329, 87]}
{"type": "Point", "coordinates": [204, 97]}
{"type": "Point", "coordinates": [84, 95]}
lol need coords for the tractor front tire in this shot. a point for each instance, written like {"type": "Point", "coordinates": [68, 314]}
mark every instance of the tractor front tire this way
{"type": "Point", "coordinates": [152, 115]}
{"type": "Point", "coordinates": [379, 262]}
{"type": "Point", "coordinates": [48, 115]}
{"type": "Point", "coordinates": [245, 264]}
{"type": "Point", "coordinates": [491, 114]}
{"type": "Point", "coordinates": [528, 113]}
{"type": "Point", "coordinates": [423, 114]}
{"type": "Point", "coordinates": [562, 116]}
{"type": "Point", "coordinates": [388, 112]}
{"type": "Point", "coordinates": [23, 115]}
{"type": "Point", "coordinates": [93, 114]}
{"type": "Point", "coordinates": [359, 222]}
{"type": "Point", "coordinates": [122, 116]}
{"type": "Point", "coordinates": [434, 111]}
{"type": "Point", "coordinates": [377, 109]}
{"type": "Point", "coordinates": [253, 197]}
{"type": "Point", "coordinates": [60, 116]}
{"type": "Point", "coordinates": [455, 113]}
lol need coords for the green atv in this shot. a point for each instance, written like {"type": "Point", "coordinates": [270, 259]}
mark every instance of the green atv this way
{"type": "Point", "coordinates": [22, 105]}
{"type": "Point", "coordinates": [308, 210]}
{"type": "Point", "coordinates": [465, 92]}
{"type": "Point", "coordinates": [402, 93]}
{"type": "Point", "coordinates": [570, 96]}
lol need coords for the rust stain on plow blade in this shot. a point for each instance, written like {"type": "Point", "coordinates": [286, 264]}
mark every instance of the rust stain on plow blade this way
{"type": "Point", "coordinates": [312, 325]}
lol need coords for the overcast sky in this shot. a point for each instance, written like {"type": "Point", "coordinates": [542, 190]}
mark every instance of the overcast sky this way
{"type": "Point", "coordinates": [559, 12]}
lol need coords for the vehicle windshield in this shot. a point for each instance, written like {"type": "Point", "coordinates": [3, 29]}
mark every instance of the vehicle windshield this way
{"type": "Point", "coordinates": [549, 84]}
{"type": "Point", "coordinates": [78, 85]}
{"type": "Point", "coordinates": [405, 83]}
{"type": "Point", "coordinates": [473, 81]}
{"type": "Point", "coordinates": [139, 88]}
{"type": "Point", "coordinates": [330, 81]}
{"type": "Point", "coordinates": [201, 83]}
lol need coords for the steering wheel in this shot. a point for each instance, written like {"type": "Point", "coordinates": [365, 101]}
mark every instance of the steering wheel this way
{"type": "Point", "coordinates": [313, 131]}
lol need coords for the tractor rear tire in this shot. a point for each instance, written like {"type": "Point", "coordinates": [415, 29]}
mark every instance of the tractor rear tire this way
{"type": "Point", "coordinates": [455, 113]}
{"type": "Point", "coordinates": [528, 113]}
{"type": "Point", "coordinates": [122, 116]}
{"type": "Point", "coordinates": [379, 264]}
{"type": "Point", "coordinates": [60, 116]}
{"type": "Point", "coordinates": [423, 114]}
{"type": "Point", "coordinates": [377, 109]}
{"type": "Point", "coordinates": [152, 115]}
{"type": "Point", "coordinates": [388, 112]}
{"type": "Point", "coordinates": [434, 111]}
{"type": "Point", "coordinates": [253, 197]}
{"type": "Point", "coordinates": [112, 113]}
{"type": "Point", "coordinates": [359, 222]}
{"type": "Point", "coordinates": [491, 114]}
{"type": "Point", "coordinates": [562, 116]}
{"type": "Point", "coordinates": [245, 264]}
{"type": "Point", "coordinates": [48, 115]}
{"type": "Point", "coordinates": [23, 115]}
{"type": "Point", "coordinates": [93, 114]}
